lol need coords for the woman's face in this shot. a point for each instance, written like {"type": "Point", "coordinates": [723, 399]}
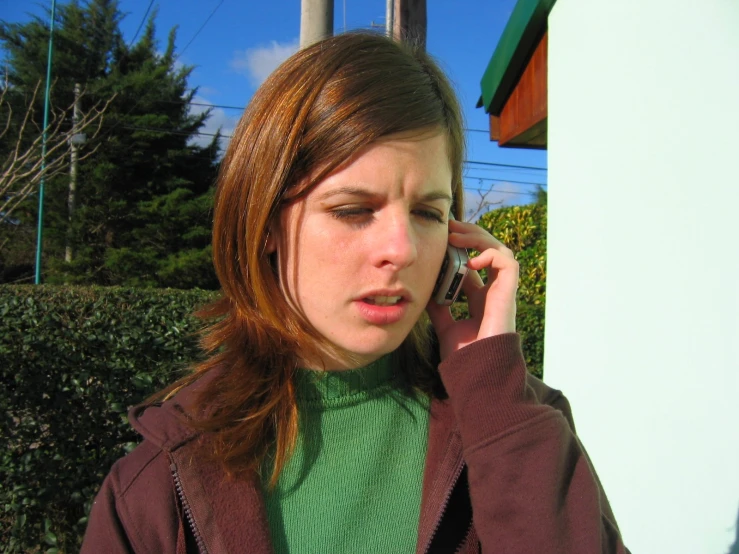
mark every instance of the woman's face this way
{"type": "Point", "coordinates": [360, 254]}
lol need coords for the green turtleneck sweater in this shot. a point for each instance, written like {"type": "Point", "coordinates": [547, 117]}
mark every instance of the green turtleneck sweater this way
{"type": "Point", "coordinates": [354, 481]}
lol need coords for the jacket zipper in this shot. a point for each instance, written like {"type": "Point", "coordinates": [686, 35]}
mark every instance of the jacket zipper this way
{"type": "Point", "coordinates": [457, 473]}
{"type": "Point", "coordinates": [465, 540]}
{"type": "Point", "coordinates": [188, 511]}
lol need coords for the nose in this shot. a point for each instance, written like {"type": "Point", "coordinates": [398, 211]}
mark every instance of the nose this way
{"type": "Point", "coordinates": [395, 243]}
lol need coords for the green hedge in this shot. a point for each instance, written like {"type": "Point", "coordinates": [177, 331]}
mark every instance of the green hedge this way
{"type": "Point", "coordinates": [71, 362]}
{"type": "Point", "coordinates": [524, 230]}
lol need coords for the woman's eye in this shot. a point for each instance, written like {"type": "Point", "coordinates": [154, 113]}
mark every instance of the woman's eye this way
{"type": "Point", "coordinates": [430, 215]}
{"type": "Point", "coordinates": [357, 215]}
{"type": "Point", "coordinates": [352, 214]}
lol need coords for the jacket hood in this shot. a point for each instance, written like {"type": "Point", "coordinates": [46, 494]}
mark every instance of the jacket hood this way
{"type": "Point", "coordinates": [166, 424]}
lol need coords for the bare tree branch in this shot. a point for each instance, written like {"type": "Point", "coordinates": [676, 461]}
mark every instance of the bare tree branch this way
{"type": "Point", "coordinates": [10, 112]}
{"type": "Point", "coordinates": [484, 205]}
{"type": "Point", "coordinates": [24, 168]}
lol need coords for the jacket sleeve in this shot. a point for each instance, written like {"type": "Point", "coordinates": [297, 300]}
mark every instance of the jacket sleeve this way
{"type": "Point", "coordinates": [532, 486]}
{"type": "Point", "coordinates": [105, 531]}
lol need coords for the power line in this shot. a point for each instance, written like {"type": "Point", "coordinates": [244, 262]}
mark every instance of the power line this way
{"type": "Point", "coordinates": [143, 19]}
{"type": "Point", "coordinates": [242, 108]}
{"type": "Point", "coordinates": [174, 60]}
{"type": "Point", "coordinates": [488, 164]}
{"type": "Point", "coordinates": [506, 165]}
{"type": "Point", "coordinates": [201, 28]}
{"type": "Point", "coordinates": [517, 193]}
{"type": "Point", "coordinates": [476, 189]}
{"type": "Point", "coordinates": [204, 133]}
{"type": "Point", "coordinates": [479, 178]}
{"type": "Point", "coordinates": [518, 170]}
{"type": "Point", "coordinates": [169, 131]}
{"type": "Point", "coordinates": [505, 181]}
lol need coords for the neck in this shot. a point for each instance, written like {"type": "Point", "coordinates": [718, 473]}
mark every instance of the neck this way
{"type": "Point", "coordinates": [339, 361]}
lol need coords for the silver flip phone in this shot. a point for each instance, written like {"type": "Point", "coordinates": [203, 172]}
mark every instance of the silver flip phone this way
{"type": "Point", "coordinates": [452, 274]}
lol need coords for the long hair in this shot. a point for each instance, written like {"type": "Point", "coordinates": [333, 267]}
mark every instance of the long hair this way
{"type": "Point", "coordinates": [318, 109]}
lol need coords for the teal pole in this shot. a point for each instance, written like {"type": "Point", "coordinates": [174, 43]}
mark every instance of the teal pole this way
{"type": "Point", "coordinates": [40, 232]}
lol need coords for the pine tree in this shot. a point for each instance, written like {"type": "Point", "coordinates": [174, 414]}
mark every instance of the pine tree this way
{"type": "Point", "coordinates": [145, 195]}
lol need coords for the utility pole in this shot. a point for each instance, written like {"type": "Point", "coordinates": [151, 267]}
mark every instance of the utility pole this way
{"type": "Point", "coordinates": [75, 141]}
{"type": "Point", "coordinates": [409, 21]}
{"type": "Point", "coordinates": [316, 21]}
{"type": "Point", "coordinates": [389, 17]}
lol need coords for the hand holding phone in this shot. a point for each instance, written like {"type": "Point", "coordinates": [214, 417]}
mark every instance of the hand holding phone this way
{"type": "Point", "coordinates": [492, 304]}
{"type": "Point", "coordinates": [452, 274]}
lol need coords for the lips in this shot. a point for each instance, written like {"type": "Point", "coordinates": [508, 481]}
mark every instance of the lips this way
{"type": "Point", "coordinates": [385, 296]}
{"type": "Point", "coordinates": [383, 307]}
{"type": "Point", "coordinates": [383, 300]}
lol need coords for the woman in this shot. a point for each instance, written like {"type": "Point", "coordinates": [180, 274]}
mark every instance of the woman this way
{"type": "Point", "coordinates": [329, 416]}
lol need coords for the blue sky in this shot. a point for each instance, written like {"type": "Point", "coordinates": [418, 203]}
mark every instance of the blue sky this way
{"type": "Point", "coordinates": [244, 40]}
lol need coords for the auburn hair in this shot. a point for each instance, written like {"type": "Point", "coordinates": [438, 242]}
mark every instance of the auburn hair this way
{"type": "Point", "coordinates": [317, 110]}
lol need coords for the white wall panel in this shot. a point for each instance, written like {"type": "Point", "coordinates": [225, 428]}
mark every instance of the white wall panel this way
{"type": "Point", "coordinates": [642, 322]}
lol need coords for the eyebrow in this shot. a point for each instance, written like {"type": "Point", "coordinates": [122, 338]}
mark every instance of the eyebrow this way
{"type": "Point", "coordinates": [364, 193]}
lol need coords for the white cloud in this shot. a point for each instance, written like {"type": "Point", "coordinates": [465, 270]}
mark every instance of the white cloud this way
{"type": "Point", "coordinates": [257, 63]}
{"type": "Point", "coordinates": [218, 119]}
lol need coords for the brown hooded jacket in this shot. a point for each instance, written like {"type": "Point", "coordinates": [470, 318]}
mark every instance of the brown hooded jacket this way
{"type": "Point", "coordinates": [505, 473]}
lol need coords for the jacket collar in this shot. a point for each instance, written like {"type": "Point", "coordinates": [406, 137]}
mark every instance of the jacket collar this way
{"type": "Point", "coordinates": [165, 424]}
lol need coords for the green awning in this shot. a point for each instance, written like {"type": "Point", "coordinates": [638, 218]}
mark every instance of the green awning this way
{"type": "Point", "coordinates": [527, 24]}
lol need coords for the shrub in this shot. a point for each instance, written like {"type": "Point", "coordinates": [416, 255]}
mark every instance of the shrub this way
{"type": "Point", "coordinates": [72, 360]}
{"type": "Point", "coordinates": [523, 229]}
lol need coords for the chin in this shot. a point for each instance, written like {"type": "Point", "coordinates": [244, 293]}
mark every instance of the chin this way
{"type": "Point", "coordinates": [368, 351]}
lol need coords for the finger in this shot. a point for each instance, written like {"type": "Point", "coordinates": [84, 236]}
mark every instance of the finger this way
{"type": "Point", "coordinates": [478, 241]}
{"type": "Point", "coordinates": [493, 258]}
{"type": "Point", "coordinates": [502, 275]}
{"type": "Point", "coordinates": [463, 226]}
{"type": "Point", "coordinates": [474, 289]}
{"type": "Point", "coordinates": [503, 270]}
{"type": "Point", "coordinates": [472, 280]}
